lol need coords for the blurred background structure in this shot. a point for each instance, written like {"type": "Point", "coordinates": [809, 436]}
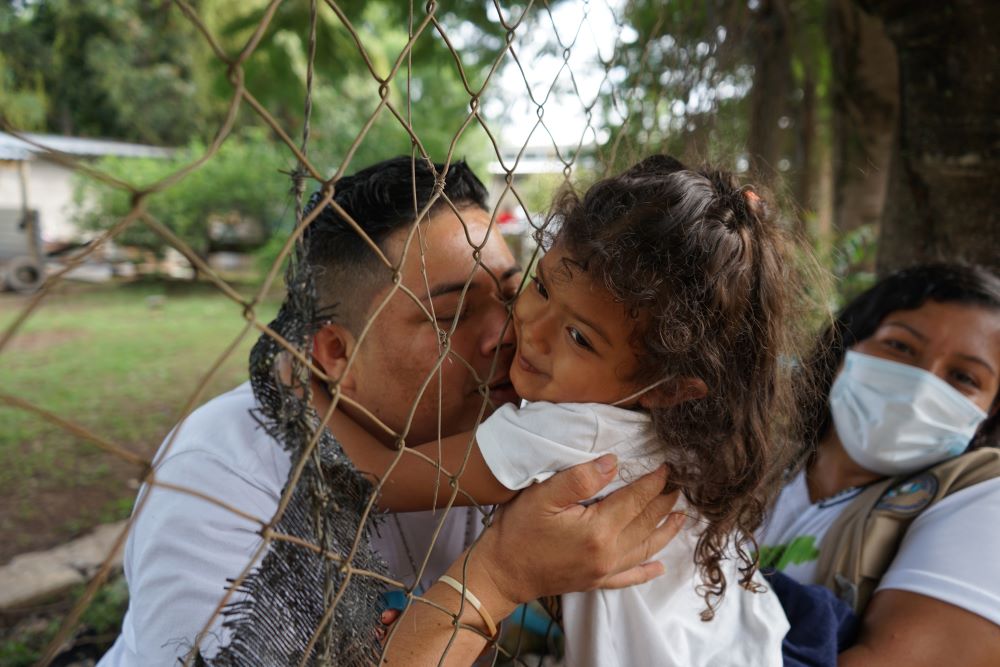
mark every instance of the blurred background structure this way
{"type": "Point", "coordinates": [151, 152]}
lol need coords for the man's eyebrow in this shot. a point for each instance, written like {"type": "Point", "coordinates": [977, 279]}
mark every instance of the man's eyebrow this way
{"type": "Point", "coordinates": [458, 286]}
{"type": "Point", "coordinates": [447, 288]}
{"type": "Point", "coordinates": [512, 271]}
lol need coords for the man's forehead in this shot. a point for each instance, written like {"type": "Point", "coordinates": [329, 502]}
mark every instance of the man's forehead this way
{"type": "Point", "coordinates": [444, 249]}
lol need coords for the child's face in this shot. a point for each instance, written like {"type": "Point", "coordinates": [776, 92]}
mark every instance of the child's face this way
{"type": "Point", "coordinates": [572, 338]}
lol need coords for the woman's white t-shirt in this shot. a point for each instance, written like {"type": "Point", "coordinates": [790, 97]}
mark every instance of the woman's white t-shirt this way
{"type": "Point", "coordinates": [951, 551]}
{"type": "Point", "coordinates": [656, 623]}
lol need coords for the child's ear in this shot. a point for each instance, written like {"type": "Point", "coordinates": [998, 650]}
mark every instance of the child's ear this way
{"type": "Point", "coordinates": [332, 347]}
{"type": "Point", "coordinates": [674, 393]}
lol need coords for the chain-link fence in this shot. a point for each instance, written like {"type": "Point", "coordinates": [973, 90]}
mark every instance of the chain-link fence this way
{"type": "Point", "coordinates": [552, 95]}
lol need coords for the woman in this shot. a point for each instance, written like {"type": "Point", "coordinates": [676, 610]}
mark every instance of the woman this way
{"type": "Point", "coordinates": [909, 376]}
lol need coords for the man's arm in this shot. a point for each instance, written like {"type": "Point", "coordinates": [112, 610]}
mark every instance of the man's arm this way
{"type": "Point", "coordinates": [543, 542]}
{"type": "Point", "coordinates": [416, 483]}
{"type": "Point", "coordinates": [181, 551]}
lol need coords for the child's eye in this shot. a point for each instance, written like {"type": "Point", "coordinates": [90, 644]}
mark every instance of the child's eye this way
{"type": "Point", "coordinates": [542, 292]}
{"type": "Point", "coordinates": [579, 338]}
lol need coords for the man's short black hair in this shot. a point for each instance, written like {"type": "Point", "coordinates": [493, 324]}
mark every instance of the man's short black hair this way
{"type": "Point", "coordinates": [382, 199]}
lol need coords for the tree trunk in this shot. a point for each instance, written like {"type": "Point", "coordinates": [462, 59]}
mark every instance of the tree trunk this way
{"type": "Point", "coordinates": [943, 180]}
{"type": "Point", "coordinates": [772, 81]}
{"type": "Point", "coordinates": [865, 110]}
{"type": "Point", "coordinates": [805, 148]}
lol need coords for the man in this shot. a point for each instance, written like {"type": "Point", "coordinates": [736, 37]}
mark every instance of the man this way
{"type": "Point", "coordinates": [441, 285]}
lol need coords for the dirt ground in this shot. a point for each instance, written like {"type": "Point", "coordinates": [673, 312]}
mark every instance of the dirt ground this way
{"type": "Point", "coordinates": [50, 517]}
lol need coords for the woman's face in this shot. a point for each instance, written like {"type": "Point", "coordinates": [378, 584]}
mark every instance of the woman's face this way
{"type": "Point", "coordinates": [959, 343]}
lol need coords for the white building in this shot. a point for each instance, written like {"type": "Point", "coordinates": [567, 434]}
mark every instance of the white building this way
{"type": "Point", "coordinates": [36, 174]}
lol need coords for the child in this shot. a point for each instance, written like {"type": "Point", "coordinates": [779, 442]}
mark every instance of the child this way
{"type": "Point", "coordinates": [653, 329]}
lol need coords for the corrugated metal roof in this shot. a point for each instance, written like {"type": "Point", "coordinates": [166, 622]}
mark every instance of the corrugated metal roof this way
{"type": "Point", "coordinates": [13, 148]}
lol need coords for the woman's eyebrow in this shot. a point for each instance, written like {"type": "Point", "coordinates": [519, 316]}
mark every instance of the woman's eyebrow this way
{"type": "Point", "coordinates": [968, 357]}
{"type": "Point", "coordinates": [978, 360]}
{"type": "Point", "coordinates": [916, 333]}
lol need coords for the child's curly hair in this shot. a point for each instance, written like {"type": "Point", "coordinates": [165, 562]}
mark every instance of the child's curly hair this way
{"type": "Point", "coordinates": [708, 278]}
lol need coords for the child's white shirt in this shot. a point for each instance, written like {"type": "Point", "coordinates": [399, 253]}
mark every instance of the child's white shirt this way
{"type": "Point", "coordinates": [656, 623]}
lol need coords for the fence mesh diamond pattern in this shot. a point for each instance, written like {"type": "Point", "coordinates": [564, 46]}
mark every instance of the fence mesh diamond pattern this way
{"type": "Point", "coordinates": [546, 95]}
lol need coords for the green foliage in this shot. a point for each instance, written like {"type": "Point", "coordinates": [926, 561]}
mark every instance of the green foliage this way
{"type": "Point", "coordinates": [346, 94]}
{"type": "Point", "coordinates": [852, 261]}
{"type": "Point", "coordinates": [244, 178]}
{"type": "Point", "coordinates": [102, 618]}
{"type": "Point", "coordinates": [686, 76]}
{"type": "Point", "coordinates": [23, 104]}
{"type": "Point", "coordinates": [128, 69]}
{"type": "Point", "coordinates": [139, 71]}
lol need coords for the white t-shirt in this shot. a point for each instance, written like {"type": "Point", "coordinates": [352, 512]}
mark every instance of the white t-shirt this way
{"type": "Point", "coordinates": [948, 552]}
{"type": "Point", "coordinates": [656, 623]}
{"type": "Point", "coordinates": [182, 549]}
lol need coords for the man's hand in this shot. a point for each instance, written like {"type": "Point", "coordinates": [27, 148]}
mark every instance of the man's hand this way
{"type": "Point", "coordinates": [545, 543]}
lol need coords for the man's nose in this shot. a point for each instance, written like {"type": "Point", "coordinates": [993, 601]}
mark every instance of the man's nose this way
{"type": "Point", "coordinates": [498, 331]}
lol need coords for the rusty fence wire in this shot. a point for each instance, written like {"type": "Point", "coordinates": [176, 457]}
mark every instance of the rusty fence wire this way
{"type": "Point", "coordinates": [519, 106]}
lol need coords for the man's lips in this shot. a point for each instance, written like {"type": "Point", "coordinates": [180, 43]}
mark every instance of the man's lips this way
{"type": "Point", "coordinates": [502, 392]}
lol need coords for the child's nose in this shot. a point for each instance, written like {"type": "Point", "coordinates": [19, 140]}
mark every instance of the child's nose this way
{"type": "Point", "coordinates": [536, 333]}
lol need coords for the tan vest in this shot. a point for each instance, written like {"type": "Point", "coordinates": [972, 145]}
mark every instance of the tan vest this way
{"type": "Point", "coordinates": [861, 544]}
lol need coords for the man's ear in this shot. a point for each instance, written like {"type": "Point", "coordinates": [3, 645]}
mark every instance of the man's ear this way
{"type": "Point", "coordinates": [332, 347]}
{"type": "Point", "coordinates": [674, 393]}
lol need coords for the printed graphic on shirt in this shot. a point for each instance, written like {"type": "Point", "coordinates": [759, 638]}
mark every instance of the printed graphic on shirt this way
{"type": "Point", "coordinates": [910, 497]}
{"type": "Point", "coordinates": [800, 550]}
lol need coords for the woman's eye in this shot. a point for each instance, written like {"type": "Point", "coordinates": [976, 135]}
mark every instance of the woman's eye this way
{"type": "Point", "coordinates": [897, 345]}
{"type": "Point", "coordinates": [965, 379]}
{"type": "Point", "coordinates": [542, 292]}
{"type": "Point", "coordinates": [579, 338]}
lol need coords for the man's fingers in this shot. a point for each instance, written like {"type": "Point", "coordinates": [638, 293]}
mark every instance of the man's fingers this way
{"type": "Point", "coordinates": [655, 543]}
{"type": "Point", "coordinates": [578, 483]}
{"type": "Point", "coordinates": [639, 574]}
{"type": "Point", "coordinates": [651, 517]}
{"type": "Point", "coordinates": [624, 505]}
{"type": "Point", "coordinates": [657, 540]}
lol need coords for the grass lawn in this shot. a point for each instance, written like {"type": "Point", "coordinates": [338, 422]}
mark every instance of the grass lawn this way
{"type": "Point", "coordinates": [120, 361]}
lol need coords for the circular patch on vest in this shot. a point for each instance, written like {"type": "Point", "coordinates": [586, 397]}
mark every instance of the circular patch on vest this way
{"type": "Point", "coordinates": [911, 496]}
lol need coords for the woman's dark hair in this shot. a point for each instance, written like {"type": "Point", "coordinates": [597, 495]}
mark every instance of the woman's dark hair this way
{"type": "Point", "coordinates": [907, 289]}
{"type": "Point", "coordinates": [708, 279]}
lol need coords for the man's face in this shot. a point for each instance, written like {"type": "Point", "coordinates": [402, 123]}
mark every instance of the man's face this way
{"type": "Point", "coordinates": [400, 355]}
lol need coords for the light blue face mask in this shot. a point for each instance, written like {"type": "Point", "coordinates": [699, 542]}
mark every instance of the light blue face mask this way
{"type": "Point", "coordinates": [894, 418]}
